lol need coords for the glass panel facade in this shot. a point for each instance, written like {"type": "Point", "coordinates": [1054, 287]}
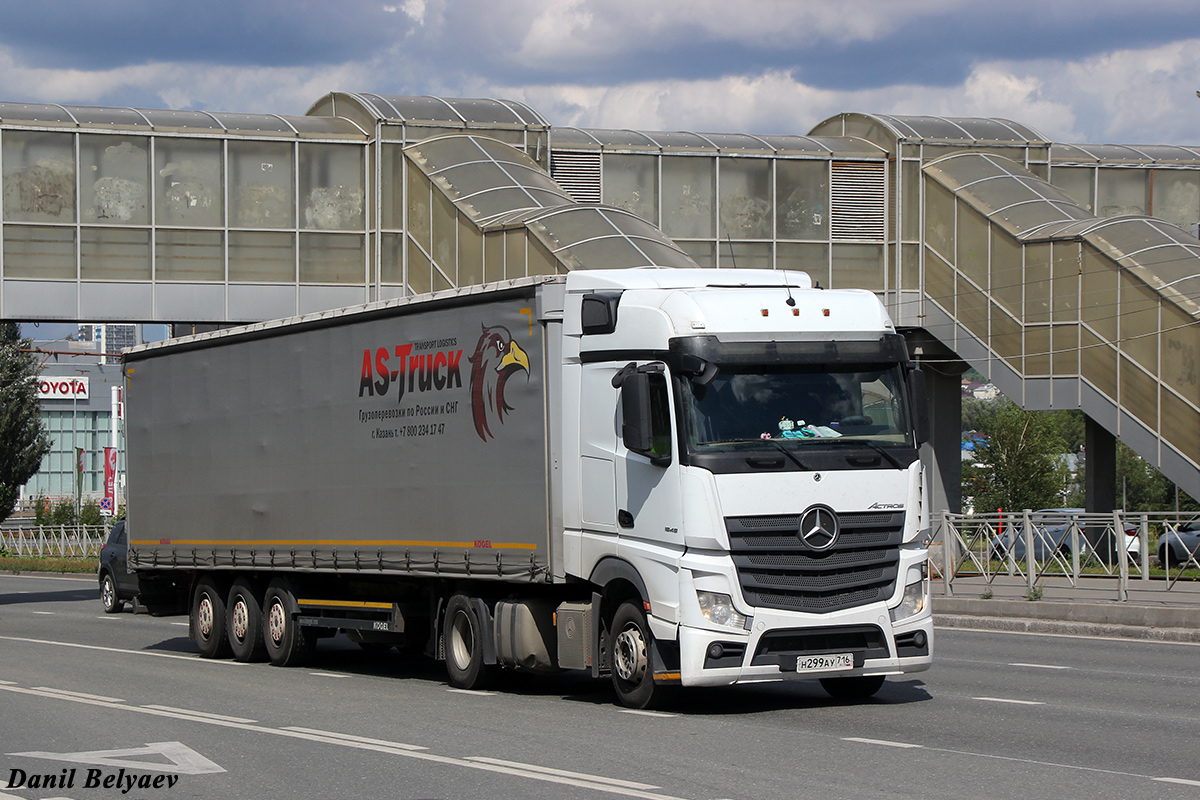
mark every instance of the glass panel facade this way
{"type": "Point", "coordinates": [746, 199]}
{"type": "Point", "coordinates": [744, 255]}
{"type": "Point", "coordinates": [39, 177]}
{"type": "Point", "coordinates": [688, 192]}
{"type": "Point", "coordinates": [1122, 191]}
{"type": "Point", "coordinates": [331, 258]}
{"type": "Point", "coordinates": [1076, 182]}
{"type": "Point", "coordinates": [114, 254]}
{"type": "Point", "coordinates": [39, 252]}
{"type": "Point", "coordinates": [802, 189]}
{"type": "Point", "coordinates": [1176, 197]}
{"type": "Point", "coordinates": [261, 185]}
{"type": "Point", "coordinates": [331, 187]}
{"type": "Point", "coordinates": [631, 182]}
{"type": "Point", "coordinates": [189, 183]}
{"type": "Point", "coordinates": [857, 266]}
{"type": "Point", "coordinates": [262, 257]}
{"type": "Point", "coordinates": [972, 245]}
{"type": "Point", "coordinates": [189, 256]}
{"type": "Point", "coordinates": [114, 179]}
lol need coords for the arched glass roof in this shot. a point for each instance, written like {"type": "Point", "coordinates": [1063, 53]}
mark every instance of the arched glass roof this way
{"type": "Point", "coordinates": [1123, 154]}
{"type": "Point", "coordinates": [484, 177]}
{"type": "Point", "coordinates": [1005, 192]}
{"type": "Point", "coordinates": [134, 119]}
{"type": "Point", "coordinates": [455, 112]}
{"type": "Point", "coordinates": [718, 143]}
{"type": "Point", "coordinates": [885, 130]}
{"type": "Point", "coordinates": [602, 237]}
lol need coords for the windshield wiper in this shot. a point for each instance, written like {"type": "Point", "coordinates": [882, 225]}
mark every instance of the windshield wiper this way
{"type": "Point", "coordinates": [868, 443]}
{"type": "Point", "coordinates": [787, 452]}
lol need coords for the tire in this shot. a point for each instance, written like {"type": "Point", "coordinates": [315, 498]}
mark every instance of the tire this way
{"type": "Point", "coordinates": [1162, 556]}
{"type": "Point", "coordinates": [287, 643]}
{"type": "Point", "coordinates": [208, 619]}
{"type": "Point", "coordinates": [108, 595]}
{"type": "Point", "coordinates": [244, 623]}
{"type": "Point", "coordinates": [463, 634]}
{"type": "Point", "coordinates": [856, 688]}
{"type": "Point", "coordinates": [629, 649]}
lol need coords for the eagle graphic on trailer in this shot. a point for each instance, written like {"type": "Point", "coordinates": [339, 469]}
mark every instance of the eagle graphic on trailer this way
{"type": "Point", "coordinates": [496, 358]}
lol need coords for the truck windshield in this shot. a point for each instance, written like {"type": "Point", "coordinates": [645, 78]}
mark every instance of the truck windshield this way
{"type": "Point", "coordinates": [747, 407]}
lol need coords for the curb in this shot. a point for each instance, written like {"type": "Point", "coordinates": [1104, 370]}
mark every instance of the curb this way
{"type": "Point", "coordinates": [1068, 628]}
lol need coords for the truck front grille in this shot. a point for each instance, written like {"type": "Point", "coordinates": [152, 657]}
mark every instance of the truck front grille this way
{"type": "Point", "coordinates": [777, 570]}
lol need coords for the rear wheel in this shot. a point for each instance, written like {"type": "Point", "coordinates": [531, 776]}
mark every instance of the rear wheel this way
{"type": "Point", "coordinates": [630, 647]}
{"type": "Point", "coordinates": [208, 619]}
{"type": "Point", "coordinates": [464, 645]}
{"type": "Point", "coordinates": [288, 644]}
{"type": "Point", "coordinates": [243, 622]}
{"type": "Point", "coordinates": [108, 594]}
{"type": "Point", "coordinates": [856, 688]}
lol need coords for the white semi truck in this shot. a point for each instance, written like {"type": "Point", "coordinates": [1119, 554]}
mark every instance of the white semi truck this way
{"type": "Point", "coordinates": [669, 477]}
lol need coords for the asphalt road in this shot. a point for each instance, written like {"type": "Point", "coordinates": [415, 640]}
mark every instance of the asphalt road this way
{"type": "Point", "coordinates": [86, 698]}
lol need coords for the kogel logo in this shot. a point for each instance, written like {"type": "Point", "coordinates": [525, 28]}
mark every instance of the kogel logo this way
{"type": "Point", "coordinates": [399, 369]}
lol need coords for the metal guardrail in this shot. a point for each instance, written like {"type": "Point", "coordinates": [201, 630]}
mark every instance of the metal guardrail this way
{"type": "Point", "coordinates": [54, 540]}
{"type": "Point", "coordinates": [1040, 545]}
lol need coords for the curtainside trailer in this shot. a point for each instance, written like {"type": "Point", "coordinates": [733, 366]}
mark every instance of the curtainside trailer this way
{"type": "Point", "coordinates": [662, 477]}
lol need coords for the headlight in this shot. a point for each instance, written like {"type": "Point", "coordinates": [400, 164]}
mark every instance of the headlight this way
{"type": "Point", "coordinates": [718, 609]}
{"type": "Point", "coordinates": [914, 601]}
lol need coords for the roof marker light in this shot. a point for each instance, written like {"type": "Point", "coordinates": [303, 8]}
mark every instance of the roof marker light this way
{"type": "Point", "coordinates": [825, 312]}
{"type": "Point", "coordinates": [765, 312]}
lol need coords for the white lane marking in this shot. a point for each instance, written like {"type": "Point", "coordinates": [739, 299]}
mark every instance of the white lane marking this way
{"type": "Point", "coordinates": [472, 691]}
{"type": "Point", "coordinates": [43, 577]}
{"type": "Point", "coordinates": [1010, 700]}
{"type": "Point", "coordinates": [562, 772]}
{"type": "Point", "coordinates": [180, 624]}
{"type": "Point", "coordinates": [45, 613]}
{"type": "Point", "coordinates": [8, 683]}
{"type": "Point", "coordinates": [328, 675]}
{"type": "Point", "coordinates": [1184, 781]}
{"type": "Point", "coordinates": [193, 658]}
{"type": "Point", "coordinates": [361, 739]}
{"type": "Point", "coordinates": [1037, 666]}
{"type": "Point", "coordinates": [645, 713]}
{"type": "Point", "coordinates": [594, 784]}
{"type": "Point", "coordinates": [1121, 639]}
{"type": "Point", "coordinates": [202, 714]}
{"type": "Point", "coordinates": [184, 760]}
{"type": "Point", "coordinates": [883, 742]}
{"type": "Point", "coordinates": [80, 694]}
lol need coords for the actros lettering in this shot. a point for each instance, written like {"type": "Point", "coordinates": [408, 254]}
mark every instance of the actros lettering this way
{"type": "Point", "coordinates": [386, 369]}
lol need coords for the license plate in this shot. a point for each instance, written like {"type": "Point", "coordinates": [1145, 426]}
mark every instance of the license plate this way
{"type": "Point", "coordinates": [830, 662]}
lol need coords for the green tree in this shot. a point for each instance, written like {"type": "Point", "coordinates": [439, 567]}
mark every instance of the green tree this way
{"type": "Point", "coordinates": [1017, 466]}
{"type": "Point", "coordinates": [23, 437]}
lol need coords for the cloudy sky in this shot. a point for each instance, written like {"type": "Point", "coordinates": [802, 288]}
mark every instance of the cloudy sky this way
{"type": "Point", "coordinates": [1077, 70]}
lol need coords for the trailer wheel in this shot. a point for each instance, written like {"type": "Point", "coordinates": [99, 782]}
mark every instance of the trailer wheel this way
{"type": "Point", "coordinates": [244, 622]}
{"type": "Point", "coordinates": [108, 594]}
{"type": "Point", "coordinates": [288, 643]}
{"type": "Point", "coordinates": [629, 650]}
{"type": "Point", "coordinates": [856, 688]}
{"type": "Point", "coordinates": [464, 645]}
{"type": "Point", "coordinates": [208, 619]}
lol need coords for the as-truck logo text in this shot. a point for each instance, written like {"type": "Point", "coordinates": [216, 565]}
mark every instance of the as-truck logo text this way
{"type": "Point", "coordinates": [400, 369]}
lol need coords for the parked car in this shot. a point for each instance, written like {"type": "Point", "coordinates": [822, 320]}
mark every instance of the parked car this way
{"type": "Point", "coordinates": [117, 584]}
{"type": "Point", "coordinates": [1052, 534]}
{"type": "Point", "coordinates": [1181, 544]}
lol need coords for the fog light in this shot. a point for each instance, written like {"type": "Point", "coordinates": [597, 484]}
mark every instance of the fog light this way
{"type": "Point", "coordinates": [718, 609]}
{"type": "Point", "coordinates": [919, 639]}
{"type": "Point", "coordinates": [715, 650]}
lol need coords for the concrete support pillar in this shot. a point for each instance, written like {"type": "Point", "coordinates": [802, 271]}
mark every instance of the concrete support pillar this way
{"type": "Point", "coordinates": [1100, 481]}
{"type": "Point", "coordinates": [943, 455]}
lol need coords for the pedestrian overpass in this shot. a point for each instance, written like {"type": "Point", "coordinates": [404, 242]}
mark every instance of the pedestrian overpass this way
{"type": "Point", "coordinates": [1069, 274]}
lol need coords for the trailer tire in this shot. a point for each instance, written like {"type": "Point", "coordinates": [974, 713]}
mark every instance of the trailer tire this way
{"type": "Point", "coordinates": [629, 651]}
{"type": "Point", "coordinates": [108, 595]}
{"type": "Point", "coordinates": [463, 634]}
{"type": "Point", "coordinates": [244, 622]}
{"type": "Point", "coordinates": [859, 687]}
{"type": "Point", "coordinates": [208, 619]}
{"type": "Point", "coordinates": [288, 643]}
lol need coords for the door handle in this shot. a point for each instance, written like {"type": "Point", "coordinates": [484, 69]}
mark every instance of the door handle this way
{"type": "Point", "coordinates": [624, 518]}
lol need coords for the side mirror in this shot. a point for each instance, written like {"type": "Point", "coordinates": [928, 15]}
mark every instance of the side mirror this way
{"type": "Point", "coordinates": [918, 400]}
{"type": "Point", "coordinates": [635, 413]}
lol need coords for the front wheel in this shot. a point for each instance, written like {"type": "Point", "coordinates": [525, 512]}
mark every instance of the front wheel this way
{"type": "Point", "coordinates": [856, 688]}
{"type": "Point", "coordinates": [108, 595]}
{"type": "Point", "coordinates": [629, 648]}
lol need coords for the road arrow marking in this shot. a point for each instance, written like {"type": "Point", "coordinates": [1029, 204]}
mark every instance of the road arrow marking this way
{"type": "Point", "coordinates": [184, 760]}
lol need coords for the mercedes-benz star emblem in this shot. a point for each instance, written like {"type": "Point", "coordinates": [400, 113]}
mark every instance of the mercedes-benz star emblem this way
{"type": "Point", "coordinates": [819, 528]}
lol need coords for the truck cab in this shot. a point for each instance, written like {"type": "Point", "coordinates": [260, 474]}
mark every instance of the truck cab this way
{"type": "Point", "coordinates": [741, 475]}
